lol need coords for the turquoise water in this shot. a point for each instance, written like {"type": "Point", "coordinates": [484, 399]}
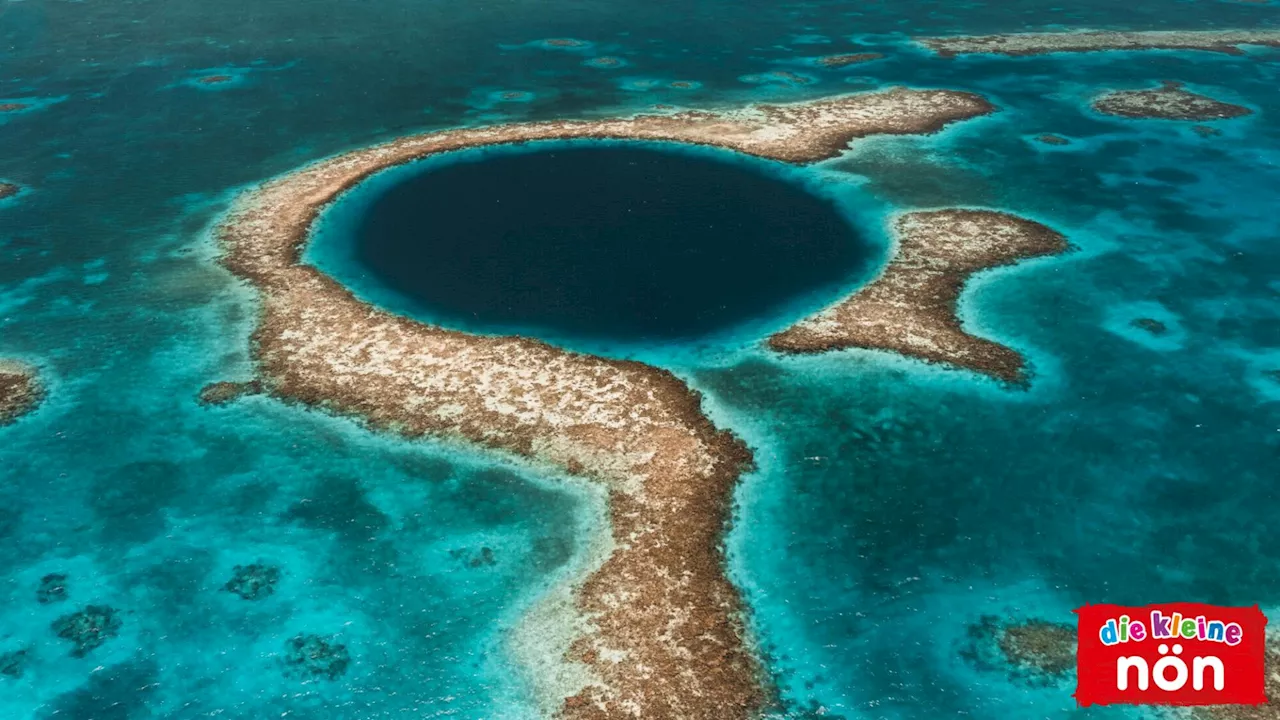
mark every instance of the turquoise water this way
{"type": "Point", "coordinates": [895, 504]}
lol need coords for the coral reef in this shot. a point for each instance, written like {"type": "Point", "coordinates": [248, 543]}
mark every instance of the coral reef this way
{"type": "Point", "coordinates": [1167, 102]}
{"type": "Point", "coordinates": [221, 393]}
{"type": "Point", "coordinates": [1017, 44]}
{"type": "Point", "coordinates": [8, 190]}
{"type": "Point", "coordinates": [1051, 139]}
{"type": "Point", "coordinates": [1151, 325]}
{"type": "Point", "coordinates": [911, 307]}
{"type": "Point", "coordinates": [20, 390]}
{"type": "Point", "coordinates": [1040, 646]}
{"type": "Point", "coordinates": [13, 107]}
{"type": "Point", "coordinates": [89, 628]}
{"type": "Point", "coordinates": [13, 664]}
{"type": "Point", "coordinates": [658, 626]}
{"type": "Point", "coordinates": [484, 558]}
{"type": "Point", "coordinates": [1206, 131]}
{"type": "Point", "coordinates": [53, 588]}
{"type": "Point", "coordinates": [253, 582]}
{"type": "Point", "coordinates": [839, 61]}
{"type": "Point", "coordinates": [311, 656]}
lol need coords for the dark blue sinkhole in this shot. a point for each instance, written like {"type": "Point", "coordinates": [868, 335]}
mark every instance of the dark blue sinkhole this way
{"type": "Point", "coordinates": [607, 242]}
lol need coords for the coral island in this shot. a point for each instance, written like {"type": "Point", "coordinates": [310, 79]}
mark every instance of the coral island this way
{"type": "Point", "coordinates": [911, 307]}
{"type": "Point", "coordinates": [1018, 44]}
{"type": "Point", "coordinates": [1167, 102]}
{"type": "Point", "coordinates": [656, 627]}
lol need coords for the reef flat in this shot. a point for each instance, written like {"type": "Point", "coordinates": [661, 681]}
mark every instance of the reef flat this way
{"type": "Point", "coordinates": [911, 307]}
{"type": "Point", "coordinates": [1040, 646]}
{"type": "Point", "coordinates": [1019, 44]}
{"type": "Point", "coordinates": [20, 390]}
{"type": "Point", "coordinates": [662, 629]}
{"type": "Point", "coordinates": [838, 61]}
{"type": "Point", "coordinates": [1167, 102]}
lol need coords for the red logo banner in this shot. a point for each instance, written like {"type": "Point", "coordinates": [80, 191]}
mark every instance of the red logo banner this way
{"type": "Point", "coordinates": [1171, 654]}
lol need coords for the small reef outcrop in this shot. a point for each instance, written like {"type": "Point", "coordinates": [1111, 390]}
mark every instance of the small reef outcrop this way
{"type": "Point", "coordinates": [1170, 101]}
{"type": "Point", "coordinates": [256, 581]}
{"type": "Point", "coordinates": [20, 390]}
{"type": "Point", "coordinates": [52, 589]}
{"type": "Point", "coordinates": [221, 393]}
{"type": "Point", "coordinates": [311, 656]}
{"type": "Point", "coordinates": [89, 628]}
{"type": "Point", "coordinates": [911, 307]}
{"type": "Point", "coordinates": [1039, 646]}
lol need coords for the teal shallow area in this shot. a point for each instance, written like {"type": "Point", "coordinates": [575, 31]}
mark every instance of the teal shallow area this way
{"type": "Point", "coordinates": [895, 504]}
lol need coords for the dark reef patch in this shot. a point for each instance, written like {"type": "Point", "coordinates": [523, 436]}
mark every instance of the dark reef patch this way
{"type": "Point", "coordinates": [13, 664]}
{"type": "Point", "coordinates": [1050, 139]}
{"type": "Point", "coordinates": [52, 589]}
{"type": "Point", "coordinates": [254, 582]}
{"type": "Point", "coordinates": [8, 190]}
{"type": "Point", "coordinates": [1151, 325]}
{"type": "Point", "coordinates": [311, 656]}
{"type": "Point", "coordinates": [221, 393]}
{"type": "Point", "coordinates": [88, 629]}
{"type": "Point", "coordinates": [609, 242]}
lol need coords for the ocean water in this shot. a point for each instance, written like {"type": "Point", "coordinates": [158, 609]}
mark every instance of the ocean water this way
{"type": "Point", "coordinates": [895, 503]}
{"type": "Point", "coordinates": [633, 242]}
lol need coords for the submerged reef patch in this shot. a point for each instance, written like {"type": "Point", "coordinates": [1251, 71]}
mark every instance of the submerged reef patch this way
{"type": "Point", "coordinates": [8, 189]}
{"type": "Point", "coordinates": [89, 628]}
{"type": "Point", "coordinates": [1167, 102]}
{"type": "Point", "coordinates": [52, 589]}
{"type": "Point", "coordinates": [779, 77]}
{"type": "Point", "coordinates": [256, 581]}
{"type": "Point", "coordinates": [221, 393]}
{"type": "Point", "coordinates": [14, 663]}
{"type": "Point", "coordinates": [658, 626]}
{"type": "Point", "coordinates": [1020, 44]}
{"type": "Point", "coordinates": [1040, 646]}
{"type": "Point", "coordinates": [1051, 139]}
{"type": "Point", "coordinates": [20, 390]}
{"type": "Point", "coordinates": [1032, 651]}
{"type": "Point", "coordinates": [311, 656]}
{"type": "Point", "coordinates": [911, 307]}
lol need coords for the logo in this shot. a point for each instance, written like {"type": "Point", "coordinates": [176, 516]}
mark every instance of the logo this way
{"type": "Point", "coordinates": [1171, 654]}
